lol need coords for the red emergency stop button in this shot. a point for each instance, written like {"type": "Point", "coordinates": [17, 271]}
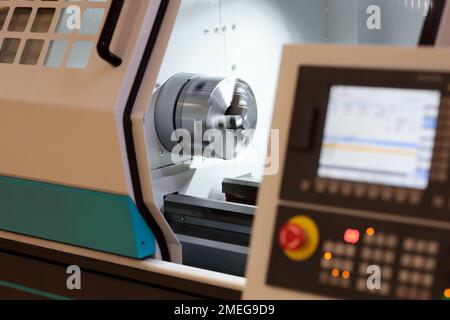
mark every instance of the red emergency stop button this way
{"type": "Point", "coordinates": [299, 238]}
{"type": "Point", "coordinates": [292, 237]}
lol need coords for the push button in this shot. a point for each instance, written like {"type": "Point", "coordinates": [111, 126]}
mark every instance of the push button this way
{"type": "Point", "coordinates": [299, 238]}
{"type": "Point", "coordinates": [292, 237]}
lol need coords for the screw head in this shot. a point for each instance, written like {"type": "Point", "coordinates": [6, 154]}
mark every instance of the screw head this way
{"type": "Point", "coordinates": [234, 67]}
{"type": "Point", "coordinates": [161, 153]}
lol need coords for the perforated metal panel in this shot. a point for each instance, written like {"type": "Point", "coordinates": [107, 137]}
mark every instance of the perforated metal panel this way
{"type": "Point", "coordinates": [61, 102]}
{"type": "Point", "coordinates": [50, 33]}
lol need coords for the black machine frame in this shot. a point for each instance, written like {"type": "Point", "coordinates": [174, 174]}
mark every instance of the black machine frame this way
{"type": "Point", "coordinates": [430, 29]}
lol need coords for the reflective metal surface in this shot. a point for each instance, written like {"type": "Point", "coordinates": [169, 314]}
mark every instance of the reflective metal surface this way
{"type": "Point", "coordinates": [219, 114]}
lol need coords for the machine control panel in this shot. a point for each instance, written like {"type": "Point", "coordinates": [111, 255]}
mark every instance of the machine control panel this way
{"type": "Point", "coordinates": [359, 258]}
{"type": "Point", "coordinates": [364, 209]}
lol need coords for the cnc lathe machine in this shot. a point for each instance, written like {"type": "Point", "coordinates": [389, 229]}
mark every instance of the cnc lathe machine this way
{"type": "Point", "coordinates": [134, 137]}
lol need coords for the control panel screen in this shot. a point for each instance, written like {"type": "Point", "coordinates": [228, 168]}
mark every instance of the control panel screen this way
{"type": "Point", "coordinates": [380, 135]}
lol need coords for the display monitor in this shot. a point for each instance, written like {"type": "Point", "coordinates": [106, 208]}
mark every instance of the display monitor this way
{"type": "Point", "coordinates": [380, 135]}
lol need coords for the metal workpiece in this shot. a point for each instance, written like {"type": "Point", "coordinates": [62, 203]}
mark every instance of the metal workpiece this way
{"type": "Point", "coordinates": [217, 114]}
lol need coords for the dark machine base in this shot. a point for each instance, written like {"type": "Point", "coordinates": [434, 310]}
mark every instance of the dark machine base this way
{"type": "Point", "coordinates": [242, 190]}
{"type": "Point", "coordinates": [31, 272]}
{"type": "Point", "coordinates": [215, 235]}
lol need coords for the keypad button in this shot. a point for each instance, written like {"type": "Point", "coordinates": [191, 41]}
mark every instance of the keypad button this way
{"type": "Point", "coordinates": [401, 196]}
{"type": "Point", "coordinates": [438, 202]}
{"type": "Point", "coordinates": [328, 246]}
{"type": "Point", "coordinates": [415, 278]}
{"type": "Point", "coordinates": [413, 293]}
{"type": "Point", "coordinates": [340, 249]}
{"type": "Point", "coordinates": [430, 264]}
{"type": "Point", "coordinates": [369, 239]}
{"type": "Point", "coordinates": [418, 262]}
{"type": "Point", "coordinates": [403, 276]}
{"type": "Point", "coordinates": [378, 255]}
{"type": "Point", "coordinates": [387, 194]}
{"type": "Point", "coordinates": [360, 190]}
{"type": "Point", "coordinates": [336, 264]}
{"type": "Point", "coordinates": [380, 240]}
{"type": "Point", "coordinates": [305, 185]}
{"type": "Point", "coordinates": [333, 187]}
{"type": "Point", "coordinates": [346, 284]}
{"type": "Point", "coordinates": [334, 281]}
{"type": "Point", "coordinates": [415, 198]}
{"type": "Point", "coordinates": [421, 246]}
{"type": "Point", "coordinates": [321, 186]}
{"type": "Point", "coordinates": [366, 254]}
{"type": "Point", "coordinates": [326, 264]}
{"type": "Point", "coordinates": [387, 273]}
{"type": "Point", "coordinates": [428, 280]}
{"type": "Point", "coordinates": [392, 241]}
{"type": "Point", "coordinates": [389, 257]}
{"type": "Point", "coordinates": [350, 251]}
{"type": "Point", "coordinates": [406, 260]}
{"type": "Point", "coordinates": [433, 248]}
{"type": "Point", "coordinates": [401, 292]}
{"type": "Point", "coordinates": [363, 268]}
{"type": "Point", "coordinates": [348, 265]}
{"type": "Point", "coordinates": [439, 175]}
{"type": "Point", "coordinates": [373, 192]}
{"type": "Point", "coordinates": [385, 289]}
{"type": "Point", "coordinates": [409, 244]}
{"type": "Point", "coordinates": [361, 285]}
{"type": "Point", "coordinates": [424, 295]}
{"type": "Point", "coordinates": [347, 189]}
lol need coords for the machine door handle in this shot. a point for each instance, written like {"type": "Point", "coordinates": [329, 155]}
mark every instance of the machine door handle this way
{"type": "Point", "coordinates": [104, 42]}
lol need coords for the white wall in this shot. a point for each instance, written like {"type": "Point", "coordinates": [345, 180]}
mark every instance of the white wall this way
{"type": "Point", "coordinates": [401, 21]}
{"type": "Point", "coordinates": [253, 47]}
{"type": "Point", "coordinates": [341, 21]}
{"type": "Point", "coordinates": [244, 38]}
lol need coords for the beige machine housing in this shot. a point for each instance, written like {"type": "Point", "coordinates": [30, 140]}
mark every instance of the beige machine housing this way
{"type": "Point", "coordinates": [294, 58]}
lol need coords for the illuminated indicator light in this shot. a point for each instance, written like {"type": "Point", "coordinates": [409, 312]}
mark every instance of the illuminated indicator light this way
{"type": "Point", "coordinates": [346, 275]}
{"type": "Point", "coordinates": [351, 236]}
{"type": "Point", "coordinates": [335, 273]}
{"type": "Point", "coordinates": [328, 256]}
{"type": "Point", "coordinates": [370, 232]}
{"type": "Point", "coordinates": [447, 293]}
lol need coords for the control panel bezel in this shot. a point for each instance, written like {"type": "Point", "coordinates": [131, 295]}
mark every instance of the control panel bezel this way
{"type": "Point", "coordinates": [413, 259]}
{"type": "Point", "coordinates": [301, 182]}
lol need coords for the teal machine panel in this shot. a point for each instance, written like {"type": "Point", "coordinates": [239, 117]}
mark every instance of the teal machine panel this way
{"type": "Point", "coordinates": [90, 219]}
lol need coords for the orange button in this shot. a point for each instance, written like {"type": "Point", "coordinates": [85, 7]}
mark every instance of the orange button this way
{"type": "Point", "coordinates": [292, 237]}
{"type": "Point", "coordinates": [447, 293]}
